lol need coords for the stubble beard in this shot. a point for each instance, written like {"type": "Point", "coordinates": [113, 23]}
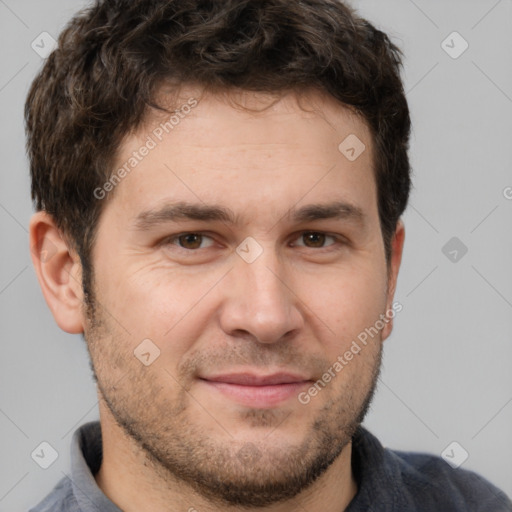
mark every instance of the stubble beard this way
{"type": "Point", "coordinates": [228, 473]}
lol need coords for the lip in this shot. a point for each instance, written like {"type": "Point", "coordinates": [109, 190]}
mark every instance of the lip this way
{"type": "Point", "coordinates": [251, 379]}
{"type": "Point", "coordinates": [257, 391]}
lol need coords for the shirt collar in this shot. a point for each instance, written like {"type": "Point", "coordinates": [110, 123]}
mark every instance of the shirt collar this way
{"type": "Point", "coordinates": [86, 456]}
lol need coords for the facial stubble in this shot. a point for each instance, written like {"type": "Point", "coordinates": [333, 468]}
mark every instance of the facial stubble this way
{"type": "Point", "coordinates": [179, 452]}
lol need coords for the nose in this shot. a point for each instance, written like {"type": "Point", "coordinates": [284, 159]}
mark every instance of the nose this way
{"type": "Point", "coordinates": [260, 301]}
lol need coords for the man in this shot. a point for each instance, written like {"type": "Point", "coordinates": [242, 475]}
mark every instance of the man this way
{"type": "Point", "coordinates": [219, 188]}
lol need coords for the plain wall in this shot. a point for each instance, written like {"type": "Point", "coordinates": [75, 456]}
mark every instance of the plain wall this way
{"type": "Point", "coordinates": [446, 374]}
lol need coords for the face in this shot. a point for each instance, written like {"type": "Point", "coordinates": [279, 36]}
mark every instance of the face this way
{"type": "Point", "coordinates": [245, 249]}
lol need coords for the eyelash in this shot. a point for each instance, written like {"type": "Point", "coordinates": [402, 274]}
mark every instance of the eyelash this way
{"type": "Point", "coordinates": [337, 240]}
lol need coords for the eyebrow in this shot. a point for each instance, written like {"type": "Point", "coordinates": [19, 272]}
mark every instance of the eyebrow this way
{"type": "Point", "coordinates": [196, 211]}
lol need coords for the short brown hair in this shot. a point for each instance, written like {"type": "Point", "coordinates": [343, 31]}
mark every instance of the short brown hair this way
{"type": "Point", "coordinates": [111, 58]}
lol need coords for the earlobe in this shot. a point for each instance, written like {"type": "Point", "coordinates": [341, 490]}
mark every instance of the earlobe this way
{"type": "Point", "coordinates": [397, 246]}
{"type": "Point", "coordinates": [58, 271]}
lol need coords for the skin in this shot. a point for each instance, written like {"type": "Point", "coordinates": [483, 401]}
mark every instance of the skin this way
{"type": "Point", "coordinates": [171, 440]}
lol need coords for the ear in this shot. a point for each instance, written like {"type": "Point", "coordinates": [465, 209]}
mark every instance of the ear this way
{"type": "Point", "coordinates": [59, 272]}
{"type": "Point", "coordinates": [397, 245]}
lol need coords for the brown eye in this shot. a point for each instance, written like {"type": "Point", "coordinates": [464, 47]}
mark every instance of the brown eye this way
{"type": "Point", "coordinates": [312, 239]}
{"type": "Point", "coordinates": [190, 240]}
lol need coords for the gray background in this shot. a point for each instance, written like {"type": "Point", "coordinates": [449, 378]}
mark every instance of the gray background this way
{"type": "Point", "coordinates": [446, 373]}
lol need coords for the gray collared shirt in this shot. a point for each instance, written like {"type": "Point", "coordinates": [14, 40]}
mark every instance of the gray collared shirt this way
{"type": "Point", "coordinates": [388, 481]}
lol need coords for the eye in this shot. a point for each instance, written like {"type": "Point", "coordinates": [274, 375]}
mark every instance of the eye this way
{"type": "Point", "coordinates": [190, 241]}
{"type": "Point", "coordinates": [315, 239]}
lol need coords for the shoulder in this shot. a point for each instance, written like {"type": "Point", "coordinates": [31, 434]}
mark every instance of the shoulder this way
{"type": "Point", "coordinates": [397, 480]}
{"type": "Point", "coordinates": [430, 480]}
{"type": "Point", "coordinates": [60, 499]}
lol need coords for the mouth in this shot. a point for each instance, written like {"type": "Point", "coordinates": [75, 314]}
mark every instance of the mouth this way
{"type": "Point", "coordinates": [257, 391]}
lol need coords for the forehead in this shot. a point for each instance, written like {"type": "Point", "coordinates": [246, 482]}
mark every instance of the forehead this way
{"type": "Point", "coordinates": [249, 117]}
{"type": "Point", "coordinates": [254, 151]}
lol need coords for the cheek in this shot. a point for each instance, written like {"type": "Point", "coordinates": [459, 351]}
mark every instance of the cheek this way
{"type": "Point", "coordinates": [348, 301]}
{"type": "Point", "coordinates": [165, 306]}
